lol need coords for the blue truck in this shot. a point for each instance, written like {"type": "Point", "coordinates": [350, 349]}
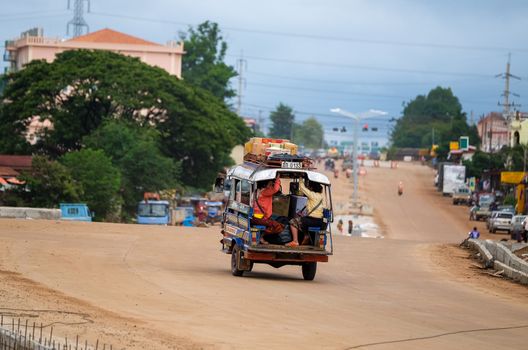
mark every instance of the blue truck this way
{"type": "Point", "coordinates": [75, 212]}
{"type": "Point", "coordinates": [153, 212]}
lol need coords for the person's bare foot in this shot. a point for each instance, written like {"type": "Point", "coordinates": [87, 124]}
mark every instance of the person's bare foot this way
{"type": "Point", "coordinates": [263, 241]}
{"type": "Point", "coordinates": [306, 240]}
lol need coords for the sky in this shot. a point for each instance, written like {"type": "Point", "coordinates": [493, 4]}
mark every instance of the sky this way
{"type": "Point", "coordinates": [316, 55]}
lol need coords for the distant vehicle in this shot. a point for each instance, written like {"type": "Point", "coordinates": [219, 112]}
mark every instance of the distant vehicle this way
{"type": "Point", "coordinates": [507, 208]}
{"type": "Point", "coordinates": [454, 177]}
{"type": "Point", "coordinates": [153, 212]}
{"type": "Point", "coordinates": [75, 212]}
{"type": "Point", "coordinates": [462, 195]}
{"type": "Point", "coordinates": [347, 164]}
{"type": "Point", "coordinates": [492, 216]}
{"type": "Point", "coordinates": [374, 155]}
{"type": "Point", "coordinates": [502, 221]}
{"type": "Point", "coordinates": [214, 211]}
{"type": "Point", "coordinates": [481, 210]}
{"type": "Point", "coordinates": [517, 226]}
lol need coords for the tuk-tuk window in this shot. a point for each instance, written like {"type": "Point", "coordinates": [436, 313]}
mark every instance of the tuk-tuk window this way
{"type": "Point", "coordinates": [232, 191]}
{"type": "Point", "coordinates": [245, 190]}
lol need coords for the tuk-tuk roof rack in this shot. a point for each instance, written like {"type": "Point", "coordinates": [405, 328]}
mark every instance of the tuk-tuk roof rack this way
{"type": "Point", "coordinates": [282, 161]}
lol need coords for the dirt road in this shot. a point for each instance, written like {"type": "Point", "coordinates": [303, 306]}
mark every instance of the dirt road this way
{"type": "Point", "coordinates": [165, 287]}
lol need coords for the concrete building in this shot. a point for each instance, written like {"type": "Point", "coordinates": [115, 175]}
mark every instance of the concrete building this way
{"type": "Point", "coordinates": [519, 129]}
{"type": "Point", "coordinates": [493, 131]}
{"type": "Point", "coordinates": [33, 45]}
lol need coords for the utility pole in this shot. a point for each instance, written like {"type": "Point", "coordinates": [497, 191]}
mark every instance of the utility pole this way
{"type": "Point", "coordinates": [78, 22]}
{"type": "Point", "coordinates": [241, 67]}
{"type": "Point", "coordinates": [506, 104]}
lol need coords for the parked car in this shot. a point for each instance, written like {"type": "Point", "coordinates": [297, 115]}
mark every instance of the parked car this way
{"type": "Point", "coordinates": [462, 195]}
{"type": "Point", "coordinates": [501, 221]}
{"type": "Point", "coordinates": [517, 226]}
{"type": "Point", "coordinates": [492, 216]}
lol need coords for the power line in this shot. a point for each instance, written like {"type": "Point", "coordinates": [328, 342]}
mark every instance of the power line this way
{"type": "Point", "coordinates": [12, 19]}
{"type": "Point", "coordinates": [330, 38]}
{"type": "Point", "coordinates": [340, 82]}
{"type": "Point", "coordinates": [29, 13]}
{"type": "Point", "coordinates": [361, 67]}
{"type": "Point", "coordinates": [326, 91]}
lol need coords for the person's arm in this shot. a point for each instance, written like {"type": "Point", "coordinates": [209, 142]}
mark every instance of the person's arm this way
{"type": "Point", "coordinates": [304, 190]}
{"type": "Point", "coordinates": [268, 192]}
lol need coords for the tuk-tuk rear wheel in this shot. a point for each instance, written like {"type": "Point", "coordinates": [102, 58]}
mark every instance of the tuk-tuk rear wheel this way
{"type": "Point", "coordinates": [308, 270]}
{"type": "Point", "coordinates": [235, 256]}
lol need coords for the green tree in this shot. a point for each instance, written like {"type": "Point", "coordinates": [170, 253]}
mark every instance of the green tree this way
{"type": "Point", "coordinates": [203, 64]}
{"type": "Point", "coordinates": [440, 111]}
{"type": "Point", "coordinates": [135, 151]}
{"type": "Point", "coordinates": [81, 89]}
{"type": "Point", "coordinates": [282, 119]}
{"type": "Point", "coordinates": [48, 183]}
{"type": "Point", "coordinates": [310, 133]}
{"type": "Point", "coordinates": [99, 179]}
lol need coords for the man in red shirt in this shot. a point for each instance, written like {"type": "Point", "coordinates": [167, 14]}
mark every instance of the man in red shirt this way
{"type": "Point", "coordinates": [263, 208]}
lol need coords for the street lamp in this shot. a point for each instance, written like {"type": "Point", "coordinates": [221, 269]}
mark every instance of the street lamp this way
{"type": "Point", "coordinates": [357, 118]}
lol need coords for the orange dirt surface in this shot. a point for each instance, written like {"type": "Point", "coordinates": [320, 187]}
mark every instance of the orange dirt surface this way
{"type": "Point", "coordinates": [147, 287]}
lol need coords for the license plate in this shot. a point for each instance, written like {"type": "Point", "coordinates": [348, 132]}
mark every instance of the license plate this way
{"type": "Point", "coordinates": [291, 165]}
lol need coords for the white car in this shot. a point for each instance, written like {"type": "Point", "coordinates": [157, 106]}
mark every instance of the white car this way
{"type": "Point", "coordinates": [502, 221]}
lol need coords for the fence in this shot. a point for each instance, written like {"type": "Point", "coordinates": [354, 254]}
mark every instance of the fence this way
{"type": "Point", "coordinates": [22, 335]}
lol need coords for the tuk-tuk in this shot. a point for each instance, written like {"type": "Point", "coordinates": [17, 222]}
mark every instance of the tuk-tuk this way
{"type": "Point", "coordinates": [214, 211]}
{"type": "Point", "coordinates": [241, 238]}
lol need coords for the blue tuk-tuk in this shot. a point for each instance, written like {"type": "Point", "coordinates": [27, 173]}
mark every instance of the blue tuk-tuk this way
{"type": "Point", "coordinates": [241, 238]}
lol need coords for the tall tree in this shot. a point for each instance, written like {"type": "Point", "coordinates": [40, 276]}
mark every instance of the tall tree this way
{"type": "Point", "coordinates": [203, 64]}
{"type": "Point", "coordinates": [99, 179]}
{"type": "Point", "coordinates": [309, 134]}
{"type": "Point", "coordinates": [135, 151]}
{"type": "Point", "coordinates": [282, 119]}
{"type": "Point", "coordinates": [440, 111]}
{"type": "Point", "coordinates": [81, 89]}
{"type": "Point", "coordinates": [47, 184]}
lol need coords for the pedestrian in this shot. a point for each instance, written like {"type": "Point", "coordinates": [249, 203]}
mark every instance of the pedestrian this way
{"type": "Point", "coordinates": [474, 234]}
{"type": "Point", "coordinates": [340, 226]}
{"type": "Point", "coordinates": [336, 173]}
{"type": "Point", "coordinates": [400, 188]}
{"type": "Point", "coordinates": [350, 227]}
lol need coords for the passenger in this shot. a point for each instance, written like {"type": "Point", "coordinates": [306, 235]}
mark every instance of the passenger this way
{"type": "Point", "coordinates": [314, 207]}
{"type": "Point", "coordinates": [350, 227]}
{"type": "Point", "coordinates": [262, 209]}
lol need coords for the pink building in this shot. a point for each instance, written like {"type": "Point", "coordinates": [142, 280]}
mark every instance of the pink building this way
{"type": "Point", "coordinates": [32, 45]}
{"type": "Point", "coordinates": [493, 131]}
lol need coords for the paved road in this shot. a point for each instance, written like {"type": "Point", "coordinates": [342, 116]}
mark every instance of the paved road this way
{"type": "Point", "coordinates": [373, 294]}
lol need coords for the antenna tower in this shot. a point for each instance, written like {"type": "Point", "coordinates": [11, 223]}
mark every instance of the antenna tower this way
{"type": "Point", "coordinates": [78, 23]}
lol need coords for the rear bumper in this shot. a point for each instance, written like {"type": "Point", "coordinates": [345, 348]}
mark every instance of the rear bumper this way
{"type": "Point", "coordinates": [284, 257]}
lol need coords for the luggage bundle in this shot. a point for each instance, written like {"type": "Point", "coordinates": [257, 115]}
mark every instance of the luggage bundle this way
{"type": "Point", "coordinates": [265, 147]}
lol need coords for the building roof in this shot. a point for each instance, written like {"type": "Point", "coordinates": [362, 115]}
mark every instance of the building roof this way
{"type": "Point", "coordinates": [8, 172]}
{"type": "Point", "coordinates": [110, 36]}
{"type": "Point", "coordinates": [15, 162]}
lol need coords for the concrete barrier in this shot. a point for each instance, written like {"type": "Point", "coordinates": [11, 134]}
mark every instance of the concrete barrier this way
{"type": "Point", "coordinates": [30, 213]}
{"type": "Point", "coordinates": [499, 256]}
